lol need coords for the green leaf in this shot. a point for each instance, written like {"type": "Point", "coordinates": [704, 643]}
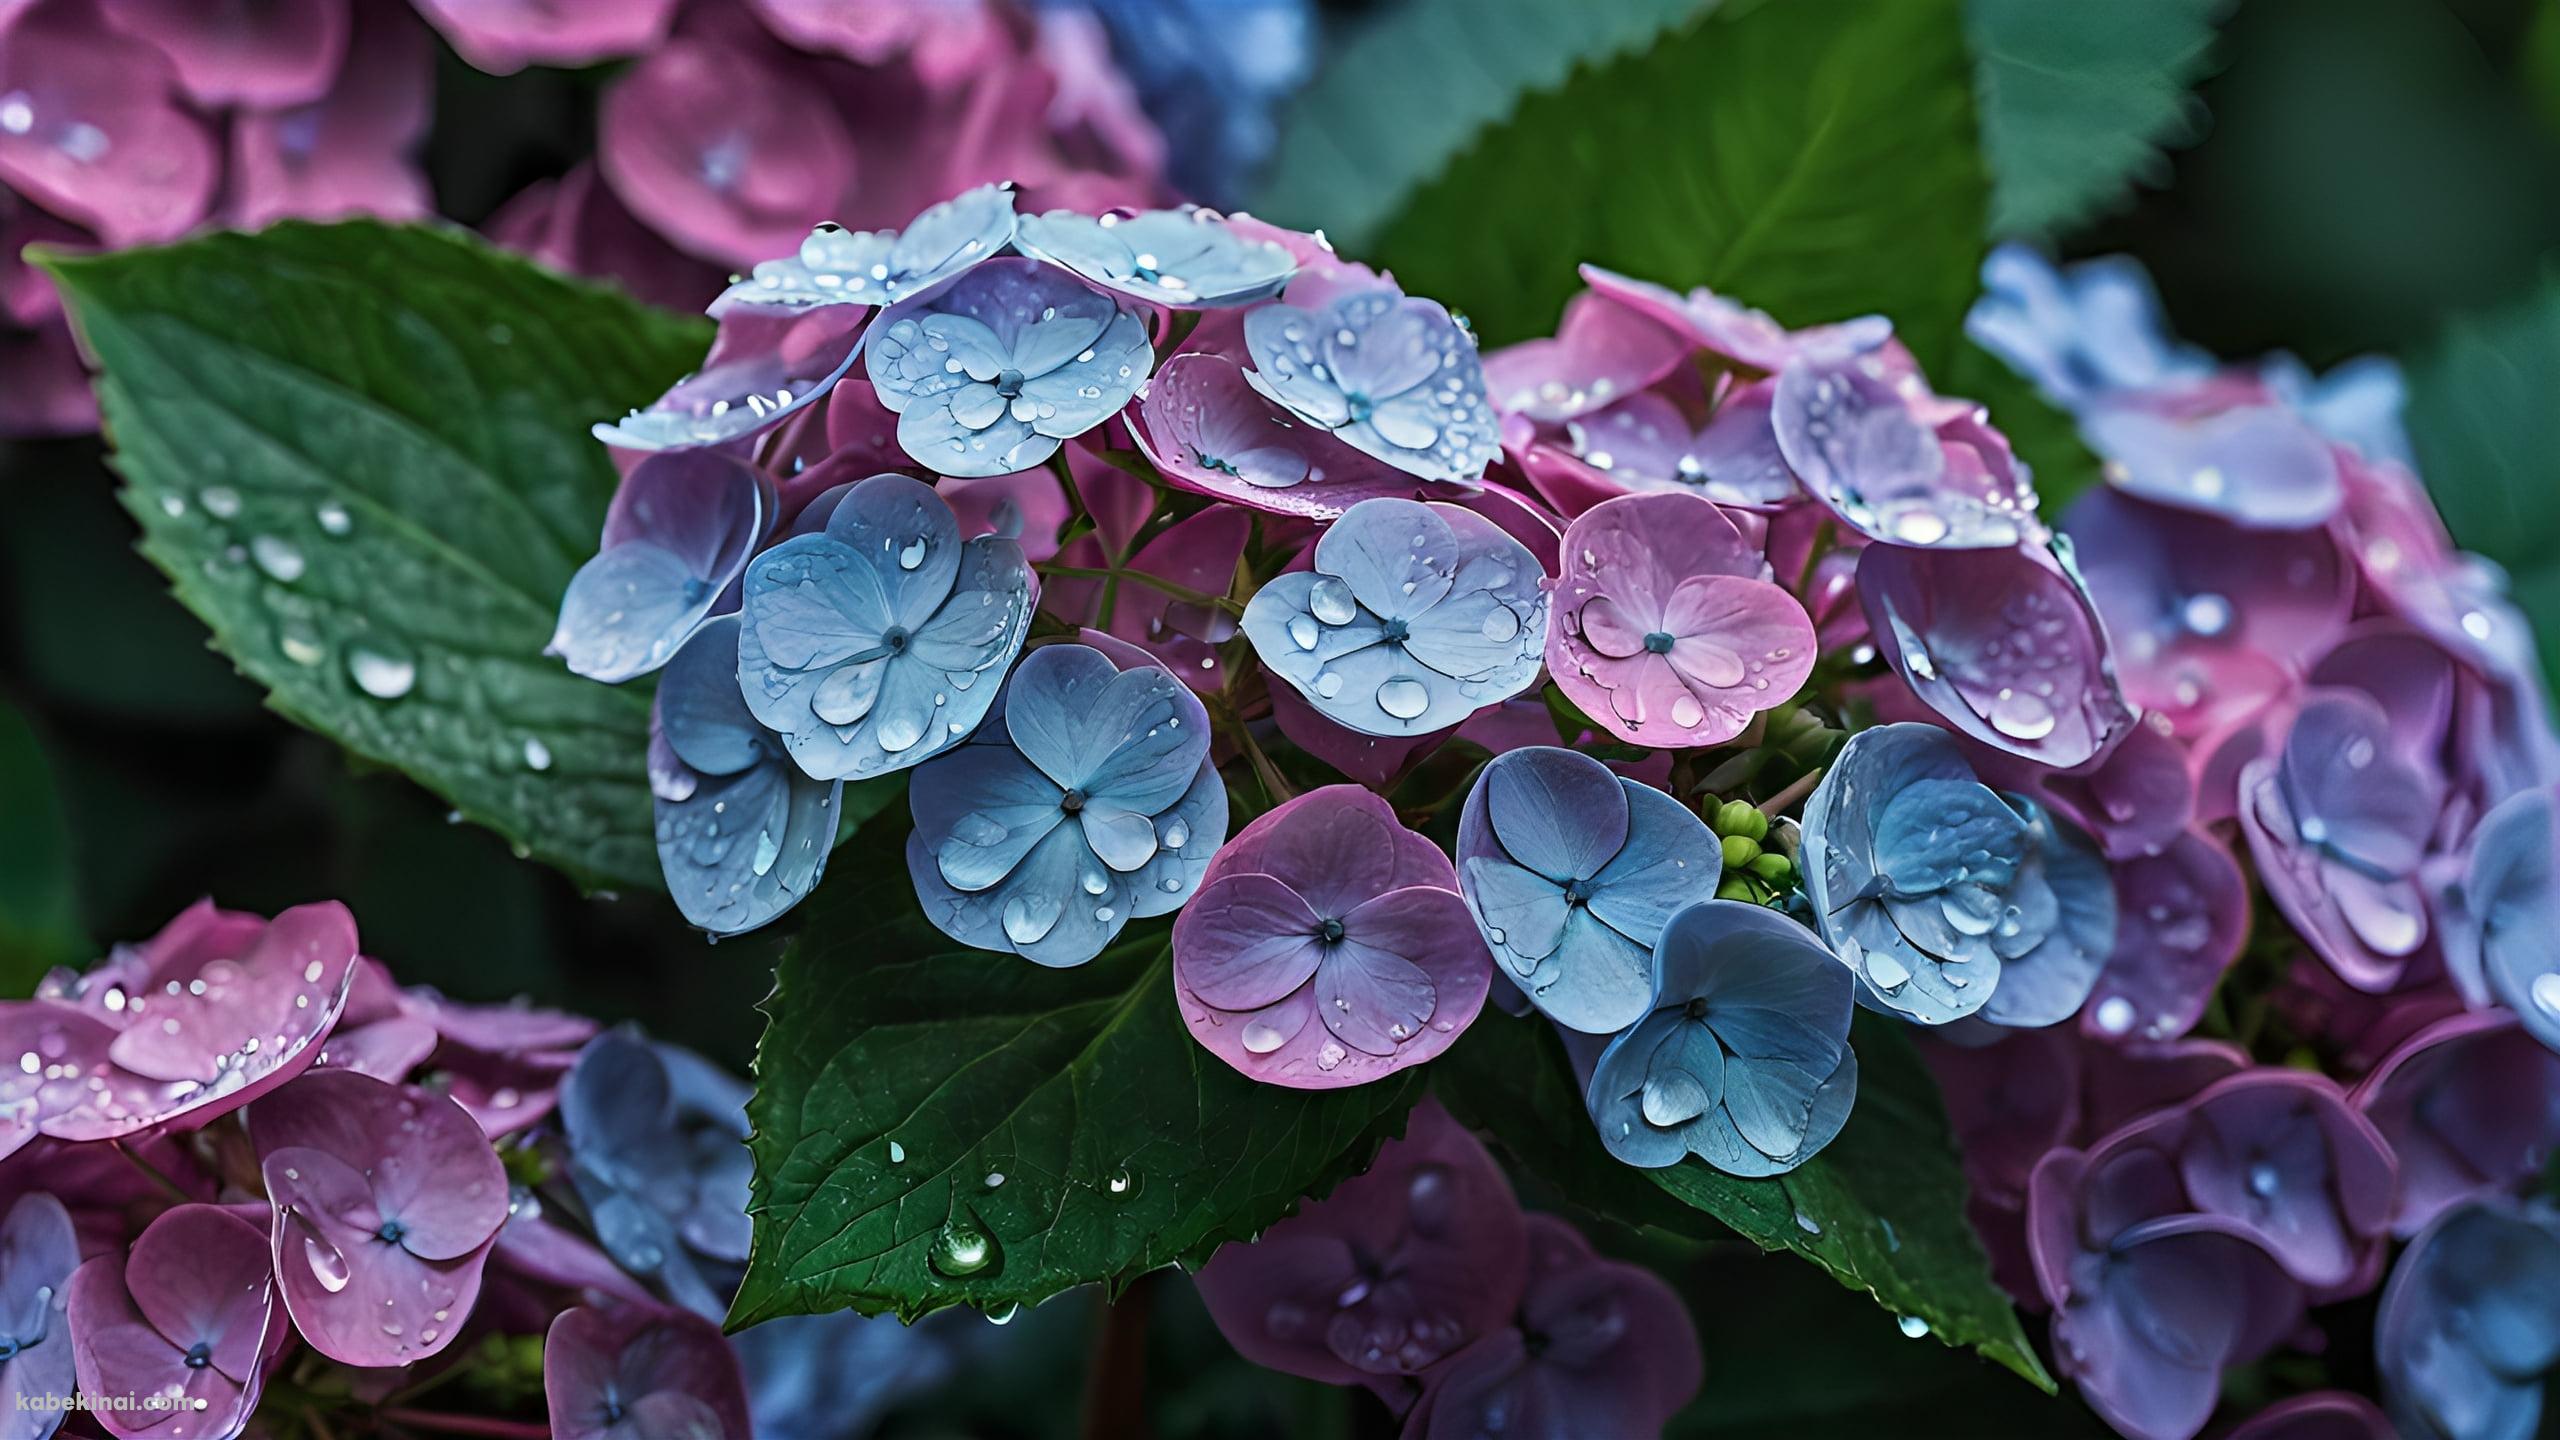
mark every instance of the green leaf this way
{"type": "Point", "coordinates": [360, 452]}
{"type": "Point", "coordinates": [1882, 1208]}
{"type": "Point", "coordinates": [1374, 123]}
{"type": "Point", "coordinates": [1065, 1116]}
{"type": "Point", "coordinates": [2079, 98]}
{"type": "Point", "coordinates": [39, 904]}
{"type": "Point", "coordinates": [1815, 160]}
{"type": "Point", "coordinates": [2481, 418]}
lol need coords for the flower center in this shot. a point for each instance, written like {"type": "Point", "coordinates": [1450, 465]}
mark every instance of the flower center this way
{"type": "Point", "coordinates": [1330, 931]}
{"type": "Point", "coordinates": [9, 1347]}
{"type": "Point", "coordinates": [1659, 642]}
{"type": "Point", "coordinates": [1698, 1008]}
{"type": "Point", "coordinates": [1360, 406]}
{"type": "Point", "coordinates": [1009, 383]}
{"type": "Point", "coordinates": [1072, 801]}
{"type": "Point", "coordinates": [895, 639]}
{"type": "Point", "coordinates": [1578, 892]}
{"type": "Point", "coordinates": [199, 1355]}
{"type": "Point", "coordinates": [1394, 632]}
{"type": "Point", "coordinates": [391, 1232]}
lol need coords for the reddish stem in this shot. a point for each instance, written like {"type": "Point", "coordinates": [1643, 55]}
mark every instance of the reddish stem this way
{"type": "Point", "coordinates": [1115, 1395]}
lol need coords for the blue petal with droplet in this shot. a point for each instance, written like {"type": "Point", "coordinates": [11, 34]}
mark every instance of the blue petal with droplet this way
{"type": "Point", "coordinates": [743, 835]}
{"type": "Point", "coordinates": [1394, 376]}
{"type": "Point", "coordinates": [679, 532]}
{"type": "Point", "coordinates": [1600, 863]}
{"type": "Point", "coordinates": [1923, 890]}
{"type": "Point", "coordinates": [766, 364]}
{"type": "Point", "coordinates": [1414, 617]}
{"type": "Point", "coordinates": [1186, 259]}
{"type": "Point", "coordinates": [1093, 801]}
{"type": "Point", "coordinates": [878, 642]}
{"type": "Point", "coordinates": [990, 373]}
{"type": "Point", "coordinates": [2052, 951]}
{"type": "Point", "coordinates": [836, 266]}
{"type": "Point", "coordinates": [1744, 1058]}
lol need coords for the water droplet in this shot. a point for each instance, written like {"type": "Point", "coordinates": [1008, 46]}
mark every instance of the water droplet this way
{"type": "Point", "coordinates": [1029, 918]}
{"type": "Point", "coordinates": [1807, 1224]}
{"type": "Point", "coordinates": [1885, 972]}
{"type": "Point", "coordinates": [327, 1265]}
{"type": "Point", "coordinates": [278, 557]}
{"type": "Point", "coordinates": [537, 756]}
{"type": "Point", "coordinates": [220, 501]}
{"type": "Point", "coordinates": [333, 518]}
{"type": "Point", "coordinates": [1331, 601]}
{"type": "Point", "coordinates": [1261, 1037]}
{"type": "Point", "coordinates": [1123, 1183]}
{"type": "Point", "coordinates": [2115, 1015]}
{"type": "Point", "coordinates": [2546, 993]}
{"type": "Point", "coordinates": [1303, 631]}
{"type": "Point", "coordinates": [913, 555]}
{"type": "Point", "coordinates": [1500, 624]}
{"type": "Point", "coordinates": [1003, 1314]}
{"type": "Point", "coordinates": [961, 1249]}
{"type": "Point", "coordinates": [1404, 698]}
{"type": "Point", "coordinates": [1687, 713]}
{"type": "Point", "coordinates": [2263, 1179]}
{"type": "Point", "coordinates": [2207, 615]}
{"type": "Point", "coordinates": [995, 1179]}
{"type": "Point", "coordinates": [2021, 716]}
{"type": "Point", "coordinates": [382, 674]}
{"type": "Point", "coordinates": [300, 647]}
{"type": "Point", "coordinates": [1913, 1327]}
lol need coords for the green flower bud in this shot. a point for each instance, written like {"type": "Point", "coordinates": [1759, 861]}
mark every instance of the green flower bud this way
{"type": "Point", "coordinates": [1738, 817]}
{"type": "Point", "coordinates": [1736, 887]}
{"type": "Point", "coordinates": [1740, 850]}
{"type": "Point", "coordinates": [1775, 868]}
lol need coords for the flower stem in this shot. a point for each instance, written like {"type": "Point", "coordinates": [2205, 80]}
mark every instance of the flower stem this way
{"type": "Point", "coordinates": [176, 1191]}
{"type": "Point", "coordinates": [1141, 577]}
{"type": "Point", "coordinates": [1821, 546]}
{"type": "Point", "coordinates": [1116, 1387]}
{"type": "Point", "coordinates": [1802, 786]}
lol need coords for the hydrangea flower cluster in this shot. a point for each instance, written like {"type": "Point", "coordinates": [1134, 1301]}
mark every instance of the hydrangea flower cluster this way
{"type": "Point", "coordinates": [734, 128]}
{"type": "Point", "coordinates": [238, 1156]}
{"type": "Point", "coordinates": [128, 124]}
{"type": "Point", "coordinates": [2264, 1110]}
{"type": "Point", "coordinates": [1422, 1280]}
{"type": "Point", "coordinates": [1723, 677]}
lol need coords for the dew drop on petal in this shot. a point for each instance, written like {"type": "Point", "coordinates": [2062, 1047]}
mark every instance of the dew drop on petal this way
{"type": "Point", "coordinates": [2546, 993]}
{"type": "Point", "coordinates": [1331, 601]}
{"type": "Point", "coordinates": [1404, 698]}
{"type": "Point", "coordinates": [2021, 716]}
